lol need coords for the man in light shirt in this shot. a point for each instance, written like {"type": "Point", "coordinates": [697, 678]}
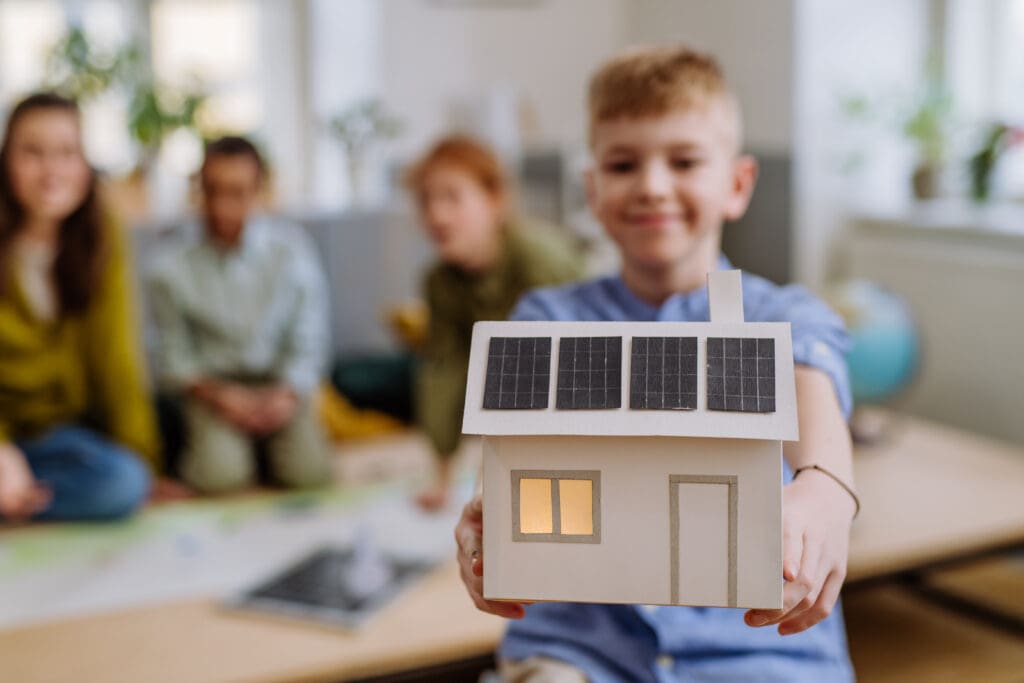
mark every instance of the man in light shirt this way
{"type": "Point", "coordinates": [241, 312]}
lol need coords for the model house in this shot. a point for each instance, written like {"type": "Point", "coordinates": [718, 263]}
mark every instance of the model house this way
{"type": "Point", "coordinates": [634, 462]}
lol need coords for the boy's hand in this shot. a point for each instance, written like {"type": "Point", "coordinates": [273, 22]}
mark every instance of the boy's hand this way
{"type": "Point", "coordinates": [21, 496]}
{"type": "Point", "coordinates": [469, 537]}
{"type": "Point", "coordinates": [815, 542]}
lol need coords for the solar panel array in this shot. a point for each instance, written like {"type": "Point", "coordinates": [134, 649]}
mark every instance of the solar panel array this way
{"type": "Point", "coordinates": [663, 373]}
{"type": "Point", "coordinates": [741, 374]}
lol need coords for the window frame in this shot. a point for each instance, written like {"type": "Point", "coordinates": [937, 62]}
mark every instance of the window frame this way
{"type": "Point", "coordinates": [594, 476]}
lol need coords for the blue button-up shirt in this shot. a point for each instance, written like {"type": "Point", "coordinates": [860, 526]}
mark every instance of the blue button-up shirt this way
{"type": "Point", "coordinates": [613, 643]}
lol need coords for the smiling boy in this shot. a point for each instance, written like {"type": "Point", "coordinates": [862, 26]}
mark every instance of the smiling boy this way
{"type": "Point", "coordinates": [665, 136]}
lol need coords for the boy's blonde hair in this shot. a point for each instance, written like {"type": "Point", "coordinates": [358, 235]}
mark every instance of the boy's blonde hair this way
{"type": "Point", "coordinates": [650, 81]}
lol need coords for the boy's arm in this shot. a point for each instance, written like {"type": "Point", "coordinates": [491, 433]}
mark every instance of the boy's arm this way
{"type": "Point", "coordinates": [817, 511]}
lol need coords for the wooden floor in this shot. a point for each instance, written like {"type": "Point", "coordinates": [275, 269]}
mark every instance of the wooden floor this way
{"type": "Point", "coordinates": [895, 636]}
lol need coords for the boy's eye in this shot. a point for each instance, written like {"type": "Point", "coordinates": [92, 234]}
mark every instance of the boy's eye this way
{"type": "Point", "coordinates": [619, 166]}
{"type": "Point", "coordinates": [686, 163]}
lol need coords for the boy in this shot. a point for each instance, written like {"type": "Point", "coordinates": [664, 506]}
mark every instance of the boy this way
{"type": "Point", "coordinates": [241, 315]}
{"type": "Point", "coordinates": [665, 136]}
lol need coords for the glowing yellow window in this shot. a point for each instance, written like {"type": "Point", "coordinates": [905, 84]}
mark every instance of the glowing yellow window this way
{"type": "Point", "coordinates": [556, 505]}
{"type": "Point", "coordinates": [576, 506]}
{"type": "Point", "coordinates": [535, 509]}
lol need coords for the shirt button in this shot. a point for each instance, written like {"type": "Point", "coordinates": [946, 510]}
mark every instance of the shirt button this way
{"type": "Point", "coordinates": [665, 661]}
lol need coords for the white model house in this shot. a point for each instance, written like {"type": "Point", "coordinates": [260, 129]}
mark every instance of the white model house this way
{"type": "Point", "coordinates": [634, 462]}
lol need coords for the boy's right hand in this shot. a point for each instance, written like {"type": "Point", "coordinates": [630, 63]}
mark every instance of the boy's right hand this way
{"type": "Point", "coordinates": [469, 537]}
{"type": "Point", "coordinates": [21, 496]}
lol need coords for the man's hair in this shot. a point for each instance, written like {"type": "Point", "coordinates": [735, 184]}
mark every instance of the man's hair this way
{"type": "Point", "coordinates": [466, 153]}
{"type": "Point", "coordinates": [235, 146]}
{"type": "Point", "coordinates": [650, 81]}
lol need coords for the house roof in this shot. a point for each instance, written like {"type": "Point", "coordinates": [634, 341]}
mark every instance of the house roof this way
{"type": "Point", "coordinates": [710, 379]}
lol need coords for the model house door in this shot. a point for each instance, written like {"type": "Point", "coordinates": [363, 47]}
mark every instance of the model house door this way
{"type": "Point", "coordinates": [703, 538]}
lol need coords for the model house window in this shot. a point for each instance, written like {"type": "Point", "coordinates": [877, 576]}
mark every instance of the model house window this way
{"type": "Point", "coordinates": [561, 506]}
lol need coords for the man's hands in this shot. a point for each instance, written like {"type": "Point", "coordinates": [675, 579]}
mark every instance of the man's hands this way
{"type": "Point", "coordinates": [260, 410]}
{"type": "Point", "coordinates": [21, 496]}
{"type": "Point", "coordinates": [816, 519]}
{"type": "Point", "coordinates": [469, 537]}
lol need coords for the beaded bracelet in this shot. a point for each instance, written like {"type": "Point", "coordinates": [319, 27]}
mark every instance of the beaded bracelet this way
{"type": "Point", "coordinates": [846, 487]}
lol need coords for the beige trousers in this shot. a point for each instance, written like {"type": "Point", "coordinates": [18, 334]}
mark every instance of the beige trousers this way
{"type": "Point", "coordinates": [219, 458]}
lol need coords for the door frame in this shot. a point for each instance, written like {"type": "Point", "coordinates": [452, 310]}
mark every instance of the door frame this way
{"type": "Point", "coordinates": [732, 482]}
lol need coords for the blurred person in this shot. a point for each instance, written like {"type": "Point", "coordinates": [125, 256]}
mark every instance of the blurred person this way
{"type": "Point", "coordinates": [487, 258]}
{"type": "Point", "coordinates": [240, 306]}
{"type": "Point", "coordinates": [76, 421]}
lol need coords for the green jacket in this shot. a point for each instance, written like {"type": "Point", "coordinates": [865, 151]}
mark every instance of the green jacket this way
{"type": "Point", "coordinates": [82, 368]}
{"type": "Point", "coordinates": [456, 299]}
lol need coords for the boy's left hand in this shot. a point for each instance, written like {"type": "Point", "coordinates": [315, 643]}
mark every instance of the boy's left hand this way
{"type": "Point", "coordinates": [815, 543]}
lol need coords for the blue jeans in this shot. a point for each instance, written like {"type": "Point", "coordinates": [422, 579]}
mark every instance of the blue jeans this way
{"type": "Point", "coordinates": [91, 477]}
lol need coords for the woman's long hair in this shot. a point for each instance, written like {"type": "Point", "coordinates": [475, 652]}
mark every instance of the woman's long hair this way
{"type": "Point", "coordinates": [81, 247]}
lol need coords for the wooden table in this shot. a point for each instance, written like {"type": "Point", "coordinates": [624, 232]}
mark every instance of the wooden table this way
{"type": "Point", "coordinates": [931, 495]}
{"type": "Point", "coordinates": [198, 642]}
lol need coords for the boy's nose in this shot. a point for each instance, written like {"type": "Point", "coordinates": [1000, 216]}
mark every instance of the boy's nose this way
{"type": "Point", "coordinates": [655, 179]}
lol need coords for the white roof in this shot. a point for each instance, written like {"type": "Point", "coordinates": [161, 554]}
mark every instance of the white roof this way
{"type": "Point", "coordinates": [624, 421]}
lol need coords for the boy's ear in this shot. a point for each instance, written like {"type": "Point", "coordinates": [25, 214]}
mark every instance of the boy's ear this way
{"type": "Point", "coordinates": [744, 177]}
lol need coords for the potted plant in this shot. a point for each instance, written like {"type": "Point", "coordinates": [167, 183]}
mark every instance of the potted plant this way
{"type": "Point", "coordinates": [928, 126]}
{"type": "Point", "coordinates": [998, 138]}
{"type": "Point", "coordinates": [358, 129]}
{"type": "Point", "coordinates": [77, 69]}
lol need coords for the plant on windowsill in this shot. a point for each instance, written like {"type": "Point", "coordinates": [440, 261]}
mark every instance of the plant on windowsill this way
{"type": "Point", "coordinates": [997, 140]}
{"type": "Point", "coordinates": [359, 128]}
{"type": "Point", "coordinates": [928, 127]}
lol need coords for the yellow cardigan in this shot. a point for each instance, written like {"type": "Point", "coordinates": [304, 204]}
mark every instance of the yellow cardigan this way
{"type": "Point", "coordinates": [85, 368]}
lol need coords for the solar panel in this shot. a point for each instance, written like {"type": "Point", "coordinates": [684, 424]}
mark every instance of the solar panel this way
{"type": "Point", "coordinates": [663, 373]}
{"type": "Point", "coordinates": [741, 374]}
{"type": "Point", "coordinates": [589, 373]}
{"type": "Point", "coordinates": [518, 373]}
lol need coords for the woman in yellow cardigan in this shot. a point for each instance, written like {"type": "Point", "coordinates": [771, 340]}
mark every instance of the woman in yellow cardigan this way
{"type": "Point", "coordinates": [76, 423]}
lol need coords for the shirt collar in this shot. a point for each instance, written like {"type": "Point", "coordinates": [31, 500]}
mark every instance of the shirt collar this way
{"type": "Point", "coordinates": [254, 237]}
{"type": "Point", "coordinates": [694, 302]}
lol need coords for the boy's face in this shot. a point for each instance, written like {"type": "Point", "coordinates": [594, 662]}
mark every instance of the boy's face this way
{"type": "Point", "coordinates": [231, 192]}
{"type": "Point", "coordinates": [662, 185]}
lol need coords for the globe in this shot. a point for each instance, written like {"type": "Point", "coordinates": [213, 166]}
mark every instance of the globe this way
{"type": "Point", "coordinates": [886, 351]}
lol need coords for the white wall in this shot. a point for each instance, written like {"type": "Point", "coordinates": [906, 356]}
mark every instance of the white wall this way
{"type": "Point", "coordinates": [753, 42]}
{"type": "Point", "coordinates": [634, 517]}
{"type": "Point", "coordinates": [434, 54]}
{"type": "Point", "coordinates": [874, 47]}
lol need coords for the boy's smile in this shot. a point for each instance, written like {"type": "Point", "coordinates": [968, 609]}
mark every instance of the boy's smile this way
{"type": "Point", "coordinates": [662, 185]}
